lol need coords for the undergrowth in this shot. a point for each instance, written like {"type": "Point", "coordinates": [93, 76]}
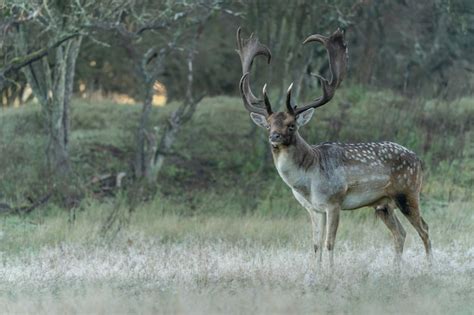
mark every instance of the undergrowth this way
{"type": "Point", "coordinates": [222, 159]}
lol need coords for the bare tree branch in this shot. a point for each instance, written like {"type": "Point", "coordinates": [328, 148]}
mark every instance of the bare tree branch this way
{"type": "Point", "coordinates": [19, 62]}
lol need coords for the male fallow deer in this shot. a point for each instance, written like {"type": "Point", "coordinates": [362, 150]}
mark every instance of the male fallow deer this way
{"type": "Point", "coordinates": [330, 177]}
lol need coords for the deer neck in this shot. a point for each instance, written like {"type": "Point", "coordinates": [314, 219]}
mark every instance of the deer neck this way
{"type": "Point", "coordinates": [294, 161]}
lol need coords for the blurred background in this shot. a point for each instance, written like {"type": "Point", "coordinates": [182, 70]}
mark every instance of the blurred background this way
{"type": "Point", "coordinates": [136, 102]}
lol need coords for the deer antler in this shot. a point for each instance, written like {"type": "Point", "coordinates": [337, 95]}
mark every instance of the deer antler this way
{"type": "Point", "coordinates": [289, 107]}
{"type": "Point", "coordinates": [248, 49]}
{"type": "Point", "coordinates": [337, 52]}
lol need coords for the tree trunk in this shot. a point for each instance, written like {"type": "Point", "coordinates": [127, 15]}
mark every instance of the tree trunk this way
{"type": "Point", "coordinates": [58, 159]}
{"type": "Point", "coordinates": [142, 134]}
{"type": "Point", "coordinates": [58, 107]}
{"type": "Point", "coordinates": [167, 139]}
{"type": "Point", "coordinates": [151, 152]}
{"type": "Point", "coordinates": [53, 87]}
{"type": "Point", "coordinates": [70, 72]}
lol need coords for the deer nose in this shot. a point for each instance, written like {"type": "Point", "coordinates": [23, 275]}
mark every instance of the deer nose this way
{"type": "Point", "coordinates": [275, 137]}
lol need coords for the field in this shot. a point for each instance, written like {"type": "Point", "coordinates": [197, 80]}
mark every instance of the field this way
{"type": "Point", "coordinates": [250, 264]}
{"type": "Point", "coordinates": [223, 234]}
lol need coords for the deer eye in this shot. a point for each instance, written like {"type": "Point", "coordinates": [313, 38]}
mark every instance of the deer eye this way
{"type": "Point", "coordinates": [291, 127]}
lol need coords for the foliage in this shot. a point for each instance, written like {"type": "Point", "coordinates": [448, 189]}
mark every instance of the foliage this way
{"type": "Point", "coordinates": [417, 48]}
{"type": "Point", "coordinates": [217, 159]}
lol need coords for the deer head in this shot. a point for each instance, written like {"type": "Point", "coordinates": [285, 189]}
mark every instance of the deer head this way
{"type": "Point", "coordinates": [283, 126]}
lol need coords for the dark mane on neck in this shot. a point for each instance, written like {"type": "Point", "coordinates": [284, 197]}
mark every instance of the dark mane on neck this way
{"type": "Point", "coordinates": [330, 156]}
{"type": "Point", "coordinates": [304, 154]}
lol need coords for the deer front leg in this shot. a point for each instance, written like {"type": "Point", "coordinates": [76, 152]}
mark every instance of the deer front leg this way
{"type": "Point", "coordinates": [318, 221]}
{"type": "Point", "coordinates": [332, 214]}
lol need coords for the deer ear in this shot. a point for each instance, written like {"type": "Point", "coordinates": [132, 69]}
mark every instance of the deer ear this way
{"type": "Point", "coordinates": [304, 117]}
{"type": "Point", "coordinates": [259, 120]}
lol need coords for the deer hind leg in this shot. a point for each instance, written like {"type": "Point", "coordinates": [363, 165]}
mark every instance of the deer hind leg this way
{"type": "Point", "coordinates": [410, 207]}
{"type": "Point", "coordinates": [332, 214]}
{"type": "Point", "coordinates": [386, 214]}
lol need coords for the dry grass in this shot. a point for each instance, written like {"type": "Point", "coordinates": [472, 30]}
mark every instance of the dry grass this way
{"type": "Point", "coordinates": [195, 277]}
{"type": "Point", "coordinates": [205, 265]}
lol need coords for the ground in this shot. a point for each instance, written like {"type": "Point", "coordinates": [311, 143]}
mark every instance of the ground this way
{"type": "Point", "coordinates": [249, 264]}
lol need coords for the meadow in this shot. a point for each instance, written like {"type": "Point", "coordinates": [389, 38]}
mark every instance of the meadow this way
{"type": "Point", "coordinates": [222, 234]}
{"type": "Point", "coordinates": [250, 264]}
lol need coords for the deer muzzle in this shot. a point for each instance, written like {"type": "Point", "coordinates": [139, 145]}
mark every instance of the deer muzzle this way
{"type": "Point", "coordinates": [275, 138]}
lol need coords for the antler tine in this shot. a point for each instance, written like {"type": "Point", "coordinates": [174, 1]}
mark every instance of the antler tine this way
{"type": "Point", "coordinates": [337, 53]}
{"type": "Point", "coordinates": [289, 107]}
{"type": "Point", "coordinates": [248, 49]}
{"type": "Point", "coordinates": [268, 106]}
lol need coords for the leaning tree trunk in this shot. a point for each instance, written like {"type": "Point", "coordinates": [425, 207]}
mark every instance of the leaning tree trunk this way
{"type": "Point", "coordinates": [154, 151]}
{"type": "Point", "coordinates": [150, 68]}
{"type": "Point", "coordinates": [179, 117]}
{"type": "Point", "coordinates": [154, 144]}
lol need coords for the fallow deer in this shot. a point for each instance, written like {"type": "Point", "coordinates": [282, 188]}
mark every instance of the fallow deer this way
{"type": "Point", "coordinates": [330, 177]}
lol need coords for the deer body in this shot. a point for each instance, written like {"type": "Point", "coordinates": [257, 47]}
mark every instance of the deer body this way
{"type": "Point", "coordinates": [331, 177]}
{"type": "Point", "coordinates": [337, 173]}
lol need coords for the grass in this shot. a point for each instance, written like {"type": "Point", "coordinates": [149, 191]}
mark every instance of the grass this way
{"type": "Point", "coordinates": [224, 234]}
{"type": "Point", "coordinates": [214, 277]}
{"type": "Point", "coordinates": [170, 263]}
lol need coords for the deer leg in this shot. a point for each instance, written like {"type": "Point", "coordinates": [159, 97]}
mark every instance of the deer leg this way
{"type": "Point", "coordinates": [386, 214]}
{"type": "Point", "coordinates": [332, 214]}
{"type": "Point", "coordinates": [318, 221]}
{"type": "Point", "coordinates": [411, 210]}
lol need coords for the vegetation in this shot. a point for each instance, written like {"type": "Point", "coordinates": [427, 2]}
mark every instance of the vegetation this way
{"type": "Point", "coordinates": [222, 227]}
{"type": "Point", "coordinates": [106, 207]}
{"type": "Point", "coordinates": [219, 149]}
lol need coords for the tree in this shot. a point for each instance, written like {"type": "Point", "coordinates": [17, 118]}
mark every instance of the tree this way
{"type": "Point", "coordinates": [148, 43]}
{"type": "Point", "coordinates": [151, 152]}
{"type": "Point", "coordinates": [46, 41]}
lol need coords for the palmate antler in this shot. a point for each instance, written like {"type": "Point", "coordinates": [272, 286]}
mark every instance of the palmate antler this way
{"type": "Point", "coordinates": [337, 53]}
{"type": "Point", "coordinates": [248, 49]}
